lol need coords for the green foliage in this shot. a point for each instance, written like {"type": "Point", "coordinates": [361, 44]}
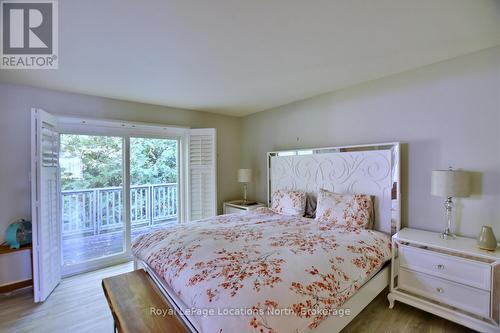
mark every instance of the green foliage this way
{"type": "Point", "coordinates": [153, 161]}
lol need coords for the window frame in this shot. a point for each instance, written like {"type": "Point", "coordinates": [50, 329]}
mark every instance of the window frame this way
{"type": "Point", "coordinates": [127, 130]}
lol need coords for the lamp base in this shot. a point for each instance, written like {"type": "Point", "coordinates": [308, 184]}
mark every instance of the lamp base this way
{"type": "Point", "coordinates": [244, 193]}
{"type": "Point", "coordinates": [447, 234]}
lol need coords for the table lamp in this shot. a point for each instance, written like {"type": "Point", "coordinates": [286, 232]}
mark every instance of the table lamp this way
{"type": "Point", "coordinates": [450, 184]}
{"type": "Point", "coordinates": [245, 177]}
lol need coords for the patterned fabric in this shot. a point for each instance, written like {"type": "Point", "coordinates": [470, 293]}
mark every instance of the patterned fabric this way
{"type": "Point", "coordinates": [349, 210]}
{"type": "Point", "coordinates": [289, 202]}
{"type": "Point", "coordinates": [282, 273]}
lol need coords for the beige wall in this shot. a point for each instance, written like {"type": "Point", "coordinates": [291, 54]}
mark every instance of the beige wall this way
{"type": "Point", "coordinates": [446, 114]}
{"type": "Point", "coordinates": [15, 105]}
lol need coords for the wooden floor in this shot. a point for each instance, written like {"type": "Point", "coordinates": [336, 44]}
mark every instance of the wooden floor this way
{"type": "Point", "coordinates": [377, 317]}
{"type": "Point", "coordinates": [78, 305]}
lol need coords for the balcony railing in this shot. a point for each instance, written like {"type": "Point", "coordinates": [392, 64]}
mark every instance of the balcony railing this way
{"type": "Point", "coordinates": [100, 210]}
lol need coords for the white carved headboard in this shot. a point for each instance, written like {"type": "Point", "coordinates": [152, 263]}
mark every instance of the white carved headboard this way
{"type": "Point", "coordinates": [368, 169]}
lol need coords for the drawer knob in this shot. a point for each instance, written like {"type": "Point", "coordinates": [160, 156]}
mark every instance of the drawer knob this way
{"type": "Point", "coordinates": [440, 266]}
{"type": "Point", "coordinates": [440, 290]}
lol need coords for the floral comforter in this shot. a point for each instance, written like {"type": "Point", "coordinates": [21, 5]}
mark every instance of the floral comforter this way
{"type": "Point", "coordinates": [262, 271]}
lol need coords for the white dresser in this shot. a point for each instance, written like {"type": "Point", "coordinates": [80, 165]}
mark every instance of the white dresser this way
{"type": "Point", "coordinates": [450, 278]}
{"type": "Point", "coordinates": [237, 206]}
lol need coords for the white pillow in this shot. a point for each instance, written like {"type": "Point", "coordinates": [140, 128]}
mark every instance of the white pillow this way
{"type": "Point", "coordinates": [349, 210]}
{"type": "Point", "coordinates": [289, 202]}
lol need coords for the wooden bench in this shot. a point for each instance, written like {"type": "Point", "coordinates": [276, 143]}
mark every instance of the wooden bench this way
{"type": "Point", "coordinates": [131, 296]}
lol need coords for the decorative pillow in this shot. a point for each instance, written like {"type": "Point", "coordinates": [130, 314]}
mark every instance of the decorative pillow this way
{"type": "Point", "coordinates": [310, 207]}
{"type": "Point", "coordinates": [350, 210]}
{"type": "Point", "coordinates": [289, 202]}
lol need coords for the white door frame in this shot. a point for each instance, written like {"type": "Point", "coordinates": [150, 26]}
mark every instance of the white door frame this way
{"type": "Point", "coordinates": [126, 130]}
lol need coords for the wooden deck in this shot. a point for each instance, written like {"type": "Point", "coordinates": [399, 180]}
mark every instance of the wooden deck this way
{"type": "Point", "coordinates": [78, 249]}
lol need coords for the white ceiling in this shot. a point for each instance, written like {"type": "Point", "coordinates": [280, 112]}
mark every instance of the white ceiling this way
{"type": "Point", "coordinates": [237, 57]}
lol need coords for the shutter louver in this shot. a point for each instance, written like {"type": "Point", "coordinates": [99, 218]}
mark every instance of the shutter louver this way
{"type": "Point", "coordinates": [50, 146]}
{"type": "Point", "coordinates": [202, 174]}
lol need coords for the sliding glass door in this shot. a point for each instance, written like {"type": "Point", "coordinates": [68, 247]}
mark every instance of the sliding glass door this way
{"type": "Point", "coordinates": [92, 197]}
{"type": "Point", "coordinates": [154, 183]}
{"type": "Point", "coordinates": [95, 229]}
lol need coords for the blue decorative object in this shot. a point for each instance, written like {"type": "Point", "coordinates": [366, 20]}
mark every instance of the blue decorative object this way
{"type": "Point", "coordinates": [18, 234]}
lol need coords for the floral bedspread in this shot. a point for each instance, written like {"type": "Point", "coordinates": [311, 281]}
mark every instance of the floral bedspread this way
{"type": "Point", "coordinates": [261, 271]}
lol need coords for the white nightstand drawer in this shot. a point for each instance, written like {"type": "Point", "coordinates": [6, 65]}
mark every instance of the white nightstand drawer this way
{"type": "Point", "coordinates": [470, 299]}
{"type": "Point", "coordinates": [231, 210]}
{"type": "Point", "coordinates": [471, 273]}
{"type": "Point", "coordinates": [238, 206]}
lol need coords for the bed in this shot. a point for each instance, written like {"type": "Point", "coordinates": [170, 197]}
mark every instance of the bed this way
{"type": "Point", "coordinates": [266, 272]}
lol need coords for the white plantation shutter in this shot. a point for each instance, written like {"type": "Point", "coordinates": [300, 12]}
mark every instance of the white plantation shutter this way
{"type": "Point", "coordinates": [202, 185]}
{"type": "Point", "coordinates": [45, 191]}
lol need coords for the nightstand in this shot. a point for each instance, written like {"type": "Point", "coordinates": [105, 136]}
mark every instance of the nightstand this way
{"type": "Point", "coordinates": [450, 278]}
{"type": "Point", "coordinates": [238, 206]}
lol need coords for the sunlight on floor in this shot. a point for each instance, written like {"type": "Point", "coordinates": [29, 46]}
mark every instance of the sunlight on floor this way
{"type": "Point", "coordinates": [76, 305]}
